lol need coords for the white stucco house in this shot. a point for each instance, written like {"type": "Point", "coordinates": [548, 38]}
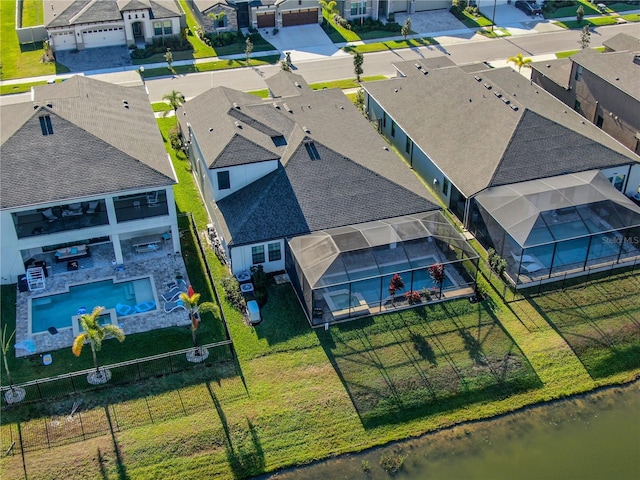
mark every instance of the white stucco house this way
{"type": "Point", "coordinates": [82, 164]}
{"type": "Point", "coordinates": [80, 24]}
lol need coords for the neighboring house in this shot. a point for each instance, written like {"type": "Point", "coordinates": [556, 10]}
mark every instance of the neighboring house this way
{"type": "Point", "coordinates": [302, 183]}
{"type": "Point", "coordinates": [80, 24]}
{"type": "Point", "coordinates": [380, 9]}
{"type": "Point", "coordinates": [524, 173]}
{"type": "Point", "coordinates": [603, 87]}
{"type": "Point", "coordinates": [82, 163]}
{"type": "Point", "coordinates": [220, 15]}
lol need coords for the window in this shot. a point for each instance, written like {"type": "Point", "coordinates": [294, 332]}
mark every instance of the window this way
{"type": "Point", "coordinates": [599, 121]}
{"type": "Point", "coordinates": [223, 180]}
{"type": "Point", "coordinates": [274, 252]}
{"type": "Point", "coordinates": [407, 145]}
{"type": "Point", "coordinates": [384, 119]}
{"type": "Point", "coordinates": [257, 254]}
{"type": "Point", "coordinates": [578, 73]}
{"type": "Point", "coordinates": [445, 187]}
{"type": "Point", "coordinates": [578, 106]}
{"type": "Point", "coordinates": [167, 27]}
{"type": "Point", "coordinates": [358, 8]}
{"type": "Point", "coordinates": [157, 28]}
{"type": "Point", "coordinates": [45, 125]}
{"type": "Point", "coordinates": [393, 129]}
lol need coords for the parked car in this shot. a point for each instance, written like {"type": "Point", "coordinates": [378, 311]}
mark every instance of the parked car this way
{"type": "Point", "coordinates": [529, 7]}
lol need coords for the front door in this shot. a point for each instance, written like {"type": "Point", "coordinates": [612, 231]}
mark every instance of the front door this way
{"type": "Point", "coordinates": [137, 29]}
{"type": "Point", "coordinates": [243, 15]}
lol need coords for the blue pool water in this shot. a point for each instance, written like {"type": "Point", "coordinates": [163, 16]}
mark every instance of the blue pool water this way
{"type": "Point", "coordinates": [57, 310]}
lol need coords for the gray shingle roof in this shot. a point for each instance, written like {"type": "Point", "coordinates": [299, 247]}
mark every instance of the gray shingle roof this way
{"type": "Point", "coordinates": [538, 139]}
{"type": "Point", "coordinates": [285, 85]}
{"type": "Point", "coordinates": [98, 146]}
{"type": "Point", "coordinates": [84, 11]}
{"type": "Point", "coordinates": [559, 70]}
{"type": "Point", "coordinates": [623, 41]}
{"type": "Point", "coordinates": [466, 129]}
{"type": "Point", "coordinates": [241, 151]}
{"type": "Point", "coordinates": [314, 194]}
{"type": "Point", "coordinates": [615, 68]}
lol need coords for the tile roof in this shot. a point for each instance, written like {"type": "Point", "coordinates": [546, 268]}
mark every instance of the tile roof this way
{"type": "Point", "coordinates": [311, 194]}
{"type": "Point", "coordinates": [466, 129]}
{"type": "Point", "coordinates": [98, 146]}
{"type": "Point", "coordinates": [619, 69]}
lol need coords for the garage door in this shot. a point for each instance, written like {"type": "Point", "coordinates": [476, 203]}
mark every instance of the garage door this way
{"type": "Point", "coordinates": [63, 41]}
{"type": "Point", "coordinates": [103, 37]}
{"type": "Point", "coordinates": [266, 20]}
{"type": "Point", "coordinates": [300, 17]}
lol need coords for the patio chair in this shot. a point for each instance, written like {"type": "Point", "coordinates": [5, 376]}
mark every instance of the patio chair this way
{"type": "Point", "coordinates": [171, 306]}
{"type": "Point", "coordinates": [173, 293]}
{"type": "Point", "coordinates": [152, 199]}
{"type": "Point", "coordinates": [93, 206]}
{"type": "Point", "coordinates": [48, 214]}
{"type": "Point", "coordinates": [531, 267]}
{"type": "Point", "coordinates": [523, 258]}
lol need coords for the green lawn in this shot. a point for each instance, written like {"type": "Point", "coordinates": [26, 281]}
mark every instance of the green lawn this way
{"type": "Point", "coordinates": [19, 87]}
{"type": "Point", "coordinates": [213, 66]}
{"type": "Point", "coordinates": [345, 83]}
{"type": "Point", "coordinates": [589, 9]}
{"type": "Point", "coordinates": [32, 13]}
{"type": "Point", "coordinates": [471, 21]}
{"type": "Point", "coordinates": [390, 45]}
{"type": "Point", "coordinates": [20, 61]}
{"type": "Point", "coordinates": [604, 335]}
{"type": "Point", "coordinates": [573, 52]}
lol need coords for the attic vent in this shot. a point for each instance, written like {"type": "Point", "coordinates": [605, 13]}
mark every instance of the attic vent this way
{"type": "Point", "coordinates": [418, 66]}
{"type": "Point", "coordinates": [286, 107]}
{"type": "Point", "coordinates": [506, 100]}
{"type": "Point", "coordinates": [49, 104]}
{"type": "Point", "coordinates": [125, 104]}
{"type": "Point", "coordinates": [636, 59]}
{"type": "Point", "coordinates": [238, 124]}
{"type": "Point", "coordinates": [236, 106]}
{"type": "Point", "coordinates": [35, 107]}
{"type": "Point", "coordinates": [210, 129]}
{"type": "Point", "coordinates": [396, 90]}
{"type": "Point", "coordinates": [306, 129]}
{"type": "Point", "coordinates": [275, 105]}
{"type": "Point", "coordinates": [478, 79]}
{"type": "Point", "coordinates": [513, 107]}
{"type": "Point", "coordinates": [487, 86]}
{"type": "Point", "coordinates": [497, 94]}
{"type": "Point", "coordinates": [424, 72]}
{"type": "Point", "coordinates": [298, 85]}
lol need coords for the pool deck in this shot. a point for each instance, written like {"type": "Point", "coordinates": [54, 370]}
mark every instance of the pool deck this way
{"type": "Point", "coordinates": [162, 265]}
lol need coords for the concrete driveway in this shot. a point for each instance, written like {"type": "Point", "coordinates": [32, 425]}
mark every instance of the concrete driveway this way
{"type": "Point", "coordinates": [305, 42]}
{"type": "Point", "coordinates": [94, 59]}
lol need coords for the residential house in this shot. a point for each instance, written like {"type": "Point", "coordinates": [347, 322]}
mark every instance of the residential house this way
{"type": "Point", "coordinates": [80, 24]}
{"type": "Point", "coordinates": [523, 172]}
{"type": "Point", "coordinates": [301, 183]}
{"type": "Point", "coordinates": [82, 164]}
{"type": "Point", "coordinates": [221, 15]}
{"type": "Point", "coordinates": [381, 9]}
{"type": "Point", "coordinates": [603, 87]}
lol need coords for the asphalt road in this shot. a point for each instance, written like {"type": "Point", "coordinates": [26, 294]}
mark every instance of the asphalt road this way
{"type": "Point", "coordinates": [380, 63]}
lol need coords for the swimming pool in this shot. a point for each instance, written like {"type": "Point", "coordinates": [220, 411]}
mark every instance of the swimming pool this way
{"type": "Point", "coordinates": [127, 298]}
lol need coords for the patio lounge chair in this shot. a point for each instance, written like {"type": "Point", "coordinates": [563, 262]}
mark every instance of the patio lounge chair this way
{"type": "Point", "coordinates": [531, 267]}
{"type": "Point", "coordinates": [145, 306]}
{"type": "Point", "coordinates": [173, 293]}
{"type": "Point", "coordinates": [124, 309]}
{"type": "Point", "coordinates": [171, 306]}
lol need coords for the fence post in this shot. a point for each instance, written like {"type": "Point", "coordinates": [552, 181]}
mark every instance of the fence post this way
{"type": "Point", "coordinates": [73, 385]}
{"type": "Point", "coordinates": [170, 364]}
{"type": "Point", "coordinates": [84, 437]}
{"type": "Point", "coordinates": [24, 463]}
{"type": "Point", "coordinates": [146, 401]}
{"type": "Point", "coordinates": [46, 429]}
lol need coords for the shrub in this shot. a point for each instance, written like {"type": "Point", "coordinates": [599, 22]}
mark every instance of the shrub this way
{"type": "Point", "coordinates": [176, 140]}
{"type": "Point", "coordinates": [412, 296]}
{"type": "Point", "coordinates": [392, 462]}
{"type": "Point", "coordinates": [231, 289]}
{"type": "Point", "coordinates": [260, 284]}
{"type": "Point", "coordinates": [496, 263]}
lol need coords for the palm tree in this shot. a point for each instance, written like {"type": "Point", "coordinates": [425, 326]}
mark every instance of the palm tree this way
{"type": "Point", "coordinates": [95, 333]}
{"type": "Point", "coordinates": [329, 7]}
{"type": "Point", "coordinates": [176, 100]}
{"type": "Point", "coordinates": [519, 61]}
{"type": "Point", "coordinates": [190, 301]}
{"type": "Point", "coordinates": [217, 19]}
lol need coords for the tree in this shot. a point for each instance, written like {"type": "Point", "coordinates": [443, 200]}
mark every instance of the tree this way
{"type": "Point", "coordinates": [190, 301]}
{"type": "Point", "coordinates": [94, 333]}
{"type": "Point", "coordinates": [519, 61]}
{"type": "Point", "coordinates": [14, 394]}
{"type": "Point", "coordinates": [248, 49]}
{"type": "Point", "coordinates": [585, 37]}
{"type": "Point", "coordinates": [218, 19]}
{"type": "Point", "coordinates": [358, 60]}
{"type": "Point", "coordinates": [436, 272]}
{"type": "Point", "coordinates": [329, 7]}
{"type": "Point", "coordinates": [359, 100]}
{"type": "Point", "coordinates": [395, 285]}
{"type": "Point", "coordinates": [284, 65]}
{"type": "Point", "coordinates": [168, 57]}
{"type": "Point", "coordinates": [176, 100]}
{"type": "Point", "coordinates": [580, 14]}
{"type": "Point", "coordinates": [406, 28]}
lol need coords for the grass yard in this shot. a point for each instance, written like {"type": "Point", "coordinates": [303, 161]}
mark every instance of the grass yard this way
{"type": "Point", "coordinates": [19, 88]}
{"type": "Point", "coordinates": [573, 52]}
{"type": "Point", "coordinates": [20, 61]}
{"type": "Point", "coordinates": [589, 9]}
{"type": "Point", "coordinates": [212, 66]}
{"type": "Point", "coordinates": [604, 335]}
{"type": "Point", "coordinates": [471, 21]}
{"type": "Point", "coordinates": [345, 83]}
{"type": "Point", "coordinates": [593, 22]}
{"type": "Point", "coordinates": [32, 13]}
{"type": "Point", "coordinates": [391, 45]}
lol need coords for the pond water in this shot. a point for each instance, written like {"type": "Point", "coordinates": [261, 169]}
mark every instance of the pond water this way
{"type": "Point", "coordinates": [590, 437]}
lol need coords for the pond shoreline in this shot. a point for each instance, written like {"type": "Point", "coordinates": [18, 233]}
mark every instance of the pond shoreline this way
{"type": "Point", "coordinates": [626, 385]}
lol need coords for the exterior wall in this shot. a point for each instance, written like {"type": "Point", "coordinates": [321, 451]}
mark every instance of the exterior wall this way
{"type": "Point", "coordinates": [11, 253]}
{"type": "Point", "coordinates": [241, 258]}
{"type": "Point", "coordinates": [231, 19]}
{"type": "Point", "coordinates": [598, 98]}
{"type": "Point", "coordinates": [413, 6]}
{"type": "Point", "coordinates": [566, 96]}
{"type": "Point", "coordinates": [78, 40]}
{"type": "Point", "coordinates": [240, 176]}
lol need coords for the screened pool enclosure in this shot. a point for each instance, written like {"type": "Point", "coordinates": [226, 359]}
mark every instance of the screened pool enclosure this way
{"type": "Point", "coordinates": [345, 272]}
{"type": "Point", "coordinates": [558, 226]}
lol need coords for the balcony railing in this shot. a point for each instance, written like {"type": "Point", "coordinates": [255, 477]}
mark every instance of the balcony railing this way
{"type": "Point", "coordinates": [60, 219]}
